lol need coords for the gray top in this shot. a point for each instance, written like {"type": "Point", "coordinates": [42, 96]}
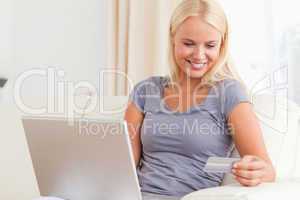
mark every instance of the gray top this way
{"type": "Point", "coordinates": [176, 145]}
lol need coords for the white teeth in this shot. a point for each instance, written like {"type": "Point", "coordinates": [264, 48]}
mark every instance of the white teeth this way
{"type": "Point", "coordinates": [198, 65]}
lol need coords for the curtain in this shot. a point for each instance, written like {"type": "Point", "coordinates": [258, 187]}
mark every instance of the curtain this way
{"type": "Point", "coordinates": [137, 43]}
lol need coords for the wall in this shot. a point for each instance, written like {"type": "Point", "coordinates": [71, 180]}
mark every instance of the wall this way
{"type": "Point", "coordinates": [68, 35]}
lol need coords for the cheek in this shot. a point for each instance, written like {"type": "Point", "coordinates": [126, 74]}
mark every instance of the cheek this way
{"type": "Point", "coordinates": [213, 55]}
{"type": "Point", "coordinates": [181, 52]}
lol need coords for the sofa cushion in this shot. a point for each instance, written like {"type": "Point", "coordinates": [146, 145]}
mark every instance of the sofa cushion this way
{"type": "Point", "coordinates": [275, 191]}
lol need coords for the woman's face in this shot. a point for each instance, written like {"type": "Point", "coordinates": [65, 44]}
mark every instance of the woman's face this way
{"type": "Point", "coordinates": [196, 47]}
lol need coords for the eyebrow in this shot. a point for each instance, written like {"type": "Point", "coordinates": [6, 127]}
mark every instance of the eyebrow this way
{"type": "Point", "coordinates": [210, 42]}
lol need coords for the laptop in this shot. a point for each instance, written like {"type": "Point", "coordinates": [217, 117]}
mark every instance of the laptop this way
{"type": "Point", "coordinates": [82, 159]}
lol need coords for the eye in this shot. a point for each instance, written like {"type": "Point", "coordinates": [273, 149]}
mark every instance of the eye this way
{"type": "Point", "coordinates": [188, 44]}
{"type": "Point", "coordinates": [210, 46]}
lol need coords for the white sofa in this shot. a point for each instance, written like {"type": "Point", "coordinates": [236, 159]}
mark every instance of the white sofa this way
{"type": "Point", "coordinates": [279, 121]}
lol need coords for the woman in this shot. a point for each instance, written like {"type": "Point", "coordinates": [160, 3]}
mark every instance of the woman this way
{"type": "Point", "coordinates": [201, 110]}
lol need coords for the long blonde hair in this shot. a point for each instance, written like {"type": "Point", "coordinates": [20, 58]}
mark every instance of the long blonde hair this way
{"type": "Point", "coordinates": [212, 13]}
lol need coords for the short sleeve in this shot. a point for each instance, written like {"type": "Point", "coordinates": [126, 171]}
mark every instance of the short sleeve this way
{"type": "Point", "coordinates": [138, 95]}
{"type": "Point", "coordinates": [233, 94]}
{"type": "Point", "coordinates": [146, 94]}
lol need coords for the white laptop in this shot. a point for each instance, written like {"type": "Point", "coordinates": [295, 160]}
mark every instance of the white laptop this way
{"type": "Point", "coordinates": [83, 159]}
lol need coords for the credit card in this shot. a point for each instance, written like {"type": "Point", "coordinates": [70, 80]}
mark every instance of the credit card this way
{"type": "Point", "coordinates": [219, 164]}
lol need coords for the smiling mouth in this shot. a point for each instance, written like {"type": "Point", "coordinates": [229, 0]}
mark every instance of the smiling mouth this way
{"type": "Point", "coordinates": [197, 66]}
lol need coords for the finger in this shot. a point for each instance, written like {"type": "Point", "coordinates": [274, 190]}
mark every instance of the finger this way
{"type": "Point", "coordinates": [248, 182]}
{"type": "Point", "coordinates": [249, 158]}
{"type": "Point", "coordinates": [254, 165]}
{"type": "Point", "coordinates": [256, 174]}
{"type": "Point", "coordinates": [245, 159]}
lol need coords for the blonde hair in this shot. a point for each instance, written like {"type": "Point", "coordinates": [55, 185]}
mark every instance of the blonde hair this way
{"type": "Point", "coordinates": [212, 13]}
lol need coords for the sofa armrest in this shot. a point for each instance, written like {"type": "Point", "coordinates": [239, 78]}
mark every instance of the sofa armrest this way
{"type": "Point", "coordinates": [278, 190]}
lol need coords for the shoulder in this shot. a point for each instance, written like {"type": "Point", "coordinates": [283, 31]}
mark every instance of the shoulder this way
{"type": "Point", "coordinates": [231, 92]}
{"type": "Point", "coordinates": [227, 83]}
{"type": "Point", "coordinates": [230, 87]}
{"type": "Point", "coordinates": [146, 89]}
{"type": "Point", "coordinates": [151, 82]}
{"type": "Point", "coordinates": [154, 79]}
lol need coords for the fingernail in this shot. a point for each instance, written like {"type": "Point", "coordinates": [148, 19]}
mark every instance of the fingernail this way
{"type": "Point", "coordinates": [233, 170]}
{"type": "Point", "coordinates": [235, 165]}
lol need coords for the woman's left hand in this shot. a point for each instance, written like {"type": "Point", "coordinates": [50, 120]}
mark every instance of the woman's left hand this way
{"type": "Point", "coordinates": [252, 170]}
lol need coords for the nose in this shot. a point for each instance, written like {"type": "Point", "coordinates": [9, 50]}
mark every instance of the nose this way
{"type": "Point", "coordinates": [199, 53]}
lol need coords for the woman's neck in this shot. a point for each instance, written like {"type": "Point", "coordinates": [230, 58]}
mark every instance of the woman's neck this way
{"type": "Point", "coordinates": [188, 85]}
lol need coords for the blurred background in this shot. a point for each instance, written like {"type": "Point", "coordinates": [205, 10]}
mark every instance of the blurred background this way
{"type": "Point", "coordinates": [50, 49]}
{"type": "Point", "coordinates": [88, 40]}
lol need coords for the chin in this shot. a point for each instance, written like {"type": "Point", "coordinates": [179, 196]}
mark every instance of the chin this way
{"type": "Point", "coordinates": [195, 74]}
